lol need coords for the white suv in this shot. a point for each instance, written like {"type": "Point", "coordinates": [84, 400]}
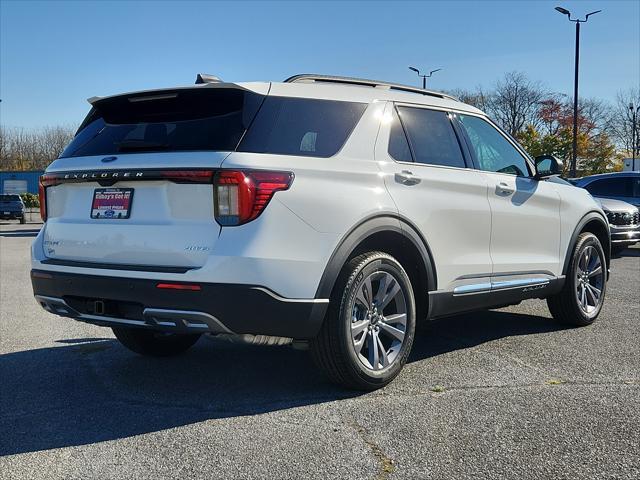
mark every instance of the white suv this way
{"type": "Point", "coordinates": [332, 211]}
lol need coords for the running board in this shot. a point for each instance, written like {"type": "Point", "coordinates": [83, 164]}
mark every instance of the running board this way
{"type": "Point", "coordinates": [494, 294]}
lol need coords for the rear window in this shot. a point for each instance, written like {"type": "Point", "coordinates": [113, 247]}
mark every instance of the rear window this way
{"type": "Point", "coordinates": [210, 119]}
{"type": "Point", "coordinates": [9, 198]}
{"type": "Point", "coordinates": [302, 126]}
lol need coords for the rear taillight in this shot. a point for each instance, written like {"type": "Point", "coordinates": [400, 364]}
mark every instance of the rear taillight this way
{"type": "Point", "coordinates": [44, 182]}
{"type": "Point", "coordinates": [241, 196]}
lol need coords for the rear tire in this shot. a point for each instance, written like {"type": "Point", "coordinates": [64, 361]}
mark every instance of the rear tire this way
{"type": "Point", "coordinates": [580, 301]}
{"type": "Point", "coordinates": [154, 343]}
{"type": "Point", "coordinates": [368, 332]}
{"type": "Point", "coordinates": [22, 220]}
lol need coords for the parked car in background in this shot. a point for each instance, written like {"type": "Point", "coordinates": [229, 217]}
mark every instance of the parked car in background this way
{"type": "Point", "coordinates": [11, 207]}
{"type": "Point", "coordinates": [623, 186]}
{"type": "Point", "coordinates": [624, 223]}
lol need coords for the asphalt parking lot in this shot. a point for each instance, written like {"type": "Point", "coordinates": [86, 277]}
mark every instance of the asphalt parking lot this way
{"type": "Point", "coordinates": [500, 394]}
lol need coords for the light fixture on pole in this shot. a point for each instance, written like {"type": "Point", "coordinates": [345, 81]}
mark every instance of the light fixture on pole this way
{"type": "Point", "coordinates": [424, 77]}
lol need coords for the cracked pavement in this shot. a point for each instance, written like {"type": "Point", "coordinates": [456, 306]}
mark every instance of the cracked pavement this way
{"type": "Point", "coordinates": [500, 394]}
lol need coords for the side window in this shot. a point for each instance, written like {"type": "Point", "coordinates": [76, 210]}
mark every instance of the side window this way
{"type": "Point", "coordinates": [301, 126]}
{"type": "Point", "coordinates": [611, 187]}
{"type": "Point", "coordinates": [398, 144]}
{"type": "Point", "coordinates": [493, 151]}
{"type": "Point", "coordinates": [431, 136]}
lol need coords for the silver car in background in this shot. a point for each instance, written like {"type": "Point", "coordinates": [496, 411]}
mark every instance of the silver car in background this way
{"type": "Point", "coordinates": [619, 197]}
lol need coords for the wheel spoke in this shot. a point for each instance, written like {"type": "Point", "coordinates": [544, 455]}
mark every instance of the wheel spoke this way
{"type": "Point", "coordinates": [587, 258]}
{"type": "Point", "coordinates": [358, 327]}
{"type": "Point", "coordinates": [596, 271]}
{"type": "Point", "coordinates": [372, 345]}
{"type": "Point", "coordinates": [392, 331]}
{"type": "Point", "coordinates": [359, 343]}
{"type": "Point", "coordinates": [384, 359]}
{"type": "Point", "coordinates": [583, 296]}
{"type": "Point", "coordinates": [595, 291]}
{"type": "Point", "coordinates": [591, 295]}
{"type": "Point", "coordinates": [396, 318]}
{"type": "Point", "coordinates": [391, 291]}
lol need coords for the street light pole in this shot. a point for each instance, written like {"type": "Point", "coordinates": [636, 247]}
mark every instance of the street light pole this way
{"type": "Point", "coordinates": [634, 123]}
{"type": "Point", "coordinates": [574, 156]}
{"type": "Point", "coordinates": [574, 149]}
{"type": "Point", "coordinates": [424, 77]}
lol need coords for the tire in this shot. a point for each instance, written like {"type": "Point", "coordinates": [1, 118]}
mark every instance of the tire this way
{"type": "Point", "coordinates": [568, 306]}
{"type": "Point", "coordinates": [153, 343]}
{"type": "Point", "coordinates": [354, 330]}
{"type": "Point", "coordinates": [22, 220]}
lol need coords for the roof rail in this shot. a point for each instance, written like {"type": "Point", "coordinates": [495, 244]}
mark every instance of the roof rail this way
{"type": "Point", "coordinates": [366, 83]}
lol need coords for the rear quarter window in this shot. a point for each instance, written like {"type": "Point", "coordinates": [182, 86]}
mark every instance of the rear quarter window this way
{"type": "Point", "coordinates": [302, 126]}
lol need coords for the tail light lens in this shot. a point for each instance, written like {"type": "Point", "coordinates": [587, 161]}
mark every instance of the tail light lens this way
{"type": "Point", "coordinates": [45, 181]}
{"type": "Point", "coordinates": [241, 196]}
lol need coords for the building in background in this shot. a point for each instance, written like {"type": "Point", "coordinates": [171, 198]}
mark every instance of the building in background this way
{"type": "Point", "coordinates": [19, 182]}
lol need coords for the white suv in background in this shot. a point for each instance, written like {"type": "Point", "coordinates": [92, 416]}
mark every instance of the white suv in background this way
{"type": "Point", "coordinates": [333, 211]}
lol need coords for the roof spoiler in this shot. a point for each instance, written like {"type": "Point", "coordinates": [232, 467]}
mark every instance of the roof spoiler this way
{"type": "Point", "coordinates": [206, 78]}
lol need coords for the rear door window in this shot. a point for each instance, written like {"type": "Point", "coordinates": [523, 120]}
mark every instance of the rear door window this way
{"type": "Point", "coordinates": [432, 139]}
{"type": "Point", "coordinates": [302, 126]}
{"type": "Point", "coordinates": [209, 119]}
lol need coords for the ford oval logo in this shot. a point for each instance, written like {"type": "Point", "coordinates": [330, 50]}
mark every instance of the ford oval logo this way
{"type": "Point", "coordinates": [109, 159]}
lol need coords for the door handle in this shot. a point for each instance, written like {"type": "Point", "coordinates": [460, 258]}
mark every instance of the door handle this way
{"type": "Point", "coordinates": [407, 178]}
{"type": "Point", "coordinates": [504, 189]}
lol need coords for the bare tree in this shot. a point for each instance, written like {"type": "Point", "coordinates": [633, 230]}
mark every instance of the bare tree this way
{"type": "Point", "coordinates": [22, 149]}
{"type": "Point", "coordinates": [479, 98]}
{"type": "Point", "coordinates": [620, 119]}
{"type": "Point", "coordinates": [515, 102]}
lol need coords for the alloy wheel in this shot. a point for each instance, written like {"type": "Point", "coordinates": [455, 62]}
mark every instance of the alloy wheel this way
{"type": "Point", "coordinates": [379, 320]}
{"type": "Point", "coordinates": [589, 280]}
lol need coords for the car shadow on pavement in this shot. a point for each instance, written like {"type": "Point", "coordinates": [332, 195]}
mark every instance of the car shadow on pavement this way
{"type": "Point", "coordinates": [90, 390]}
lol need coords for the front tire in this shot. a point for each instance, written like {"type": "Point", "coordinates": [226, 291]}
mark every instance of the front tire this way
{"type": "Point", "coordinates": [367, 335]}
{"type": "Point", "coordinates": [580, 301]}
{"type": "Point", "coordinates": [153, 343]}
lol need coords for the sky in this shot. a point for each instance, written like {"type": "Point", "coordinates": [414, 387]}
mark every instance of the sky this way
{"type": "Point", "coordinates": [54, 55]}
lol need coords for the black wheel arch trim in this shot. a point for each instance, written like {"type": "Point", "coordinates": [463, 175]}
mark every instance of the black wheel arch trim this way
{"type": "Point", "coordinates": [590, 216]}
{"type": "Point", "coordinates": [380, 222]}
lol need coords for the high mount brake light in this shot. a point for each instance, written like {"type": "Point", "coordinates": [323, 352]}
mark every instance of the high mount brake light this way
{"type": "Point", "coordinates": [241, 196]}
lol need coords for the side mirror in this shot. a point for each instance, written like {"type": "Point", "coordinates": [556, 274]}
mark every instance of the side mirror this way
{"type": "Point", "coordinates": [547, 166]}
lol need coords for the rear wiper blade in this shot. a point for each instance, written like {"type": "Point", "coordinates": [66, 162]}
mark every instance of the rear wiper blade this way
{"type": "Point", "coordinates": [128, 145]}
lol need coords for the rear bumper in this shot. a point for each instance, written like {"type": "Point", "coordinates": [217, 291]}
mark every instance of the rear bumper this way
{"type": "Point", "coordinates": [11, 215]}
{"type": "Point", "coordinates": [215, 308]}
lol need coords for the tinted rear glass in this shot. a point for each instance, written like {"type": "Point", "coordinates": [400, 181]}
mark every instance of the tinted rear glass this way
{"type": "Point", "coordinates": [9, 198]}
{"type": "Point", "coordinates": [302, 126]}
{"type": "Point", "coordinates": [212, 119]}
{"type": "Point", "coordinates": [432, 137]}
